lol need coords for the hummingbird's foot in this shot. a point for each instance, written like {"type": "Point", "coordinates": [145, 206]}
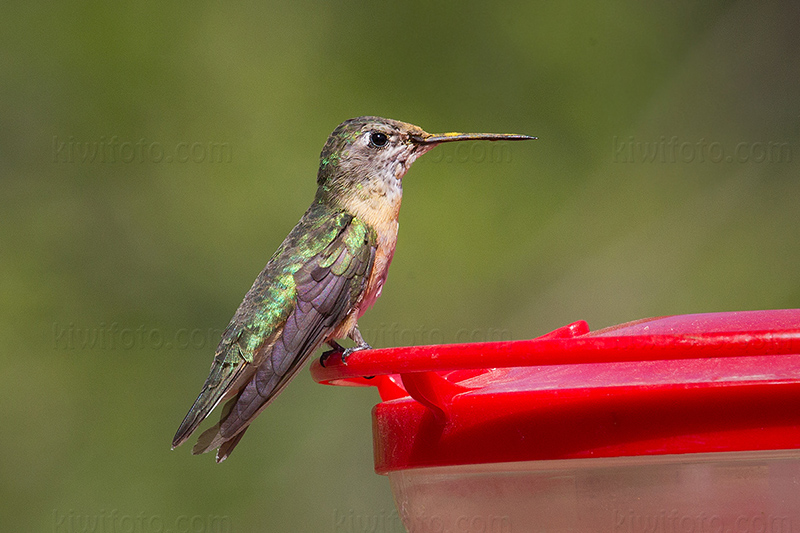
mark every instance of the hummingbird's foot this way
{"type": "Point", "coordinates": [336, 348]}
{"type": "Point", "coordinates": [350, 351]}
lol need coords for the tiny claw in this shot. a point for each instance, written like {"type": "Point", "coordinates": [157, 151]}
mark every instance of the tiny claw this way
{"type": "Point", "coordinates": [335, 348]}
{"type": "Point", "coordinates": [325, 355]}
{"type": "Point", "coordinates": [348, 352]}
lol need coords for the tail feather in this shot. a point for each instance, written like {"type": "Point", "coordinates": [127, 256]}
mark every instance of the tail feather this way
{"type": "Point", "coordinates": [216, 387]}
{"type": "Point", "coordinates": [212, 438]}
{"type": "Point", "coordinates": [227, 447]}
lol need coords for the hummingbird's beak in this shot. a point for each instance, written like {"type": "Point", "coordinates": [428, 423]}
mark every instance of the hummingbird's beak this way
{"type": "Point", "coordinates": [436, 138]}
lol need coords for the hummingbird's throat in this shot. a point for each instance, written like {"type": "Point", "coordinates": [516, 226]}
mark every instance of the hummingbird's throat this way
{"type": "Point", "coordinates": [403, 165]}
{"type": "Point", "coordinates": [412, 154]}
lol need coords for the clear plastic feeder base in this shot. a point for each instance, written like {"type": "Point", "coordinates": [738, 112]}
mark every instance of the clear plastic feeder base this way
{"type": "Point", "coordinates": [736, 492]}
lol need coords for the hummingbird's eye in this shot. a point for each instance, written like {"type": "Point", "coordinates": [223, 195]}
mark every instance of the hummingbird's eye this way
{"type": "Point", "coordinates": [378, 139]}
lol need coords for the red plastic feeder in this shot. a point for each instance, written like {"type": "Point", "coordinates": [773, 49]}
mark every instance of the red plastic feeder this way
{"type": "Point", "coordinates": [682, 423]}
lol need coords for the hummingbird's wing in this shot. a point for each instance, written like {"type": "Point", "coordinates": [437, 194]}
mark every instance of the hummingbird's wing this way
{"type": "Point", "coordinates": [326, 287]}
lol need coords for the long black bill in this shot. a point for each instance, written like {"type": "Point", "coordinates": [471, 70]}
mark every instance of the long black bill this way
{"type": "Point", "coordinates": [436, 138]}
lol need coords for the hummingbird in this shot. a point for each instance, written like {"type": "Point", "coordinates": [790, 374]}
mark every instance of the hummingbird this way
{"type": "Point", "coordinates": [327, 272]}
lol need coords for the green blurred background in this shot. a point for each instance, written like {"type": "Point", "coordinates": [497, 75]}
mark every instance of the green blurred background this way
{"type": "Point", "coordinates": [153, 156]}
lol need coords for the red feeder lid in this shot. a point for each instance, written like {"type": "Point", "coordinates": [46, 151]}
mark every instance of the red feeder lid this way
{"type": "Point", "coordinates": [680, 384]}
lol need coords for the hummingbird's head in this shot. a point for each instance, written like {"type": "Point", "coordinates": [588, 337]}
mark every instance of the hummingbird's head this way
{"type": "Point", "coordinates": [365, 158]}
{"type": "Point", "coordinates": [366, 149]}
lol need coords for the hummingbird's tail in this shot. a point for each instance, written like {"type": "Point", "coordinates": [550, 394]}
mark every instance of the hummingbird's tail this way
{"type": "Point", "coordinates": [240, 410]}
{"type": "Point", "coordinates": [219, 382]}
{"type": "Point", "coordinates": [212, 437]}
